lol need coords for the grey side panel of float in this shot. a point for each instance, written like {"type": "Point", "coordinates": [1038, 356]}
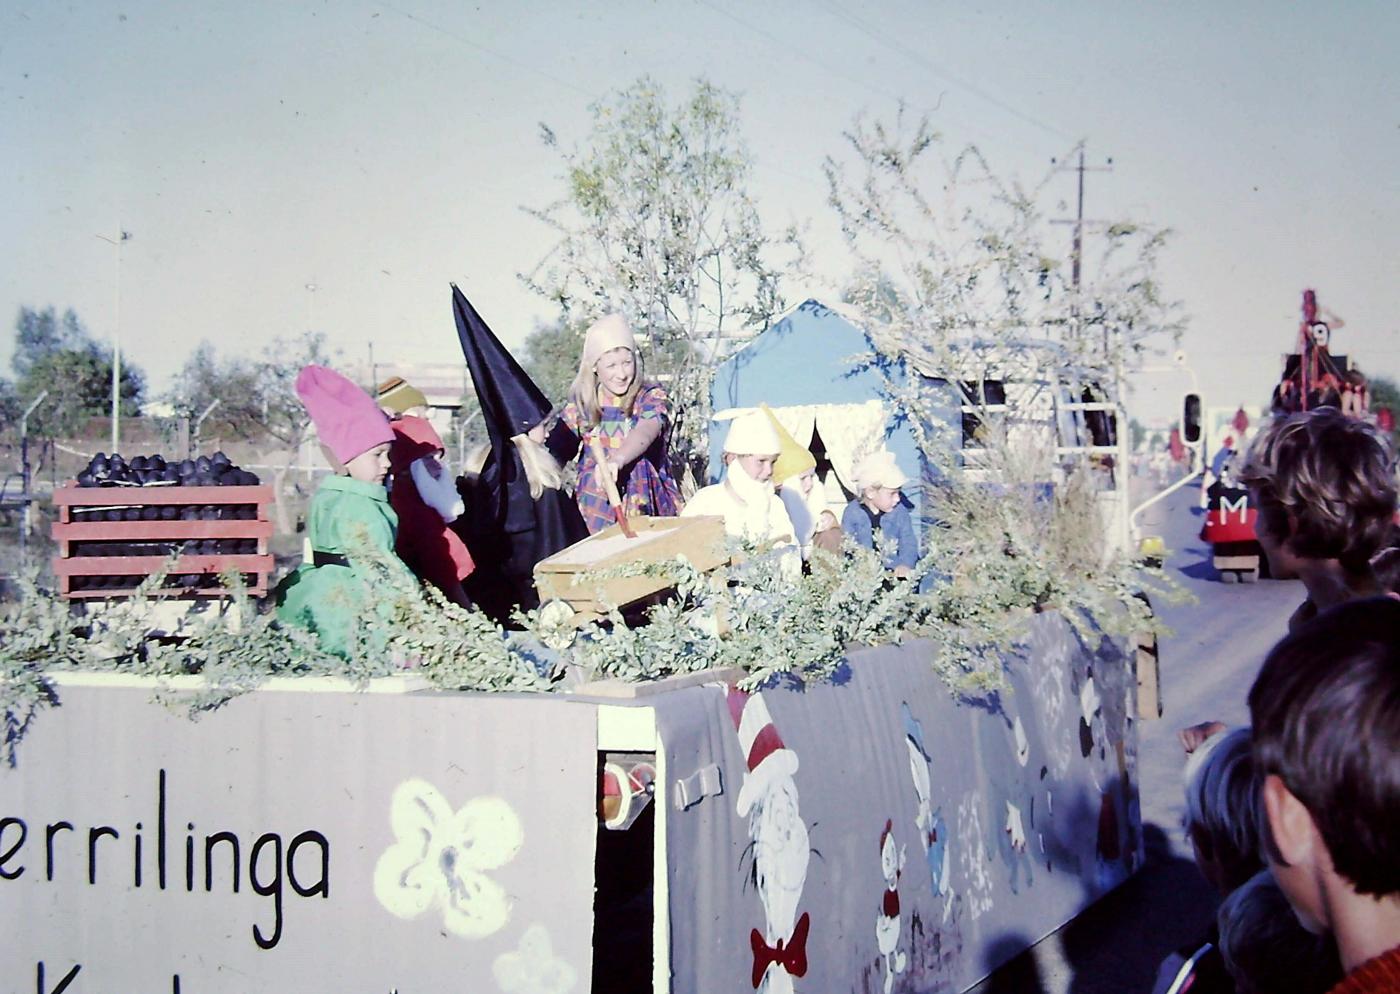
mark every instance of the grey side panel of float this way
{"type": "Point", "coordinates": [457, 834]}
{"type": "Point", "coordinates": [876, 834]}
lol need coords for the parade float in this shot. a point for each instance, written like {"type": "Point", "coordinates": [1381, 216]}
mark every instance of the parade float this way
{"type": "Point", "coordinates": [1313, 376]}
{"type": "Point", "coordinates": [825, 782]}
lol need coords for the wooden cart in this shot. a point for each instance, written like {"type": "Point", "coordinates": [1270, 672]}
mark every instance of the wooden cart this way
{"type": "Point", "coordinates": [86, 566]}
{"type": "Point", "coordinates": [570, 574]}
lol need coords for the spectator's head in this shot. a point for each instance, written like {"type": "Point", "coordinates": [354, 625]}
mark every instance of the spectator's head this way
{"type": "Point", "coordinates": [1266, 949]}
{"type": "Point", "coordinates": [1222, 810]}
{"type": "Point", "coordinates": [1326, 719]}
{"type": "Point", "coordinates": [1324, 486]}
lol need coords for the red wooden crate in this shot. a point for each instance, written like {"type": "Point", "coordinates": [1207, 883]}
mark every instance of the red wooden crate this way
{"type": "Point", "coordinates": [66, 531]}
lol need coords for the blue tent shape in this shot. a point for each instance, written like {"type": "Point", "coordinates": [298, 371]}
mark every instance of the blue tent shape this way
{"type": "Point", "coordinates": [814, 355]}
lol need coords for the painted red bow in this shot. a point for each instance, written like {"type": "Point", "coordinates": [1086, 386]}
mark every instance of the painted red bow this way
{"type": "Point", "coordinates": [792, 957]}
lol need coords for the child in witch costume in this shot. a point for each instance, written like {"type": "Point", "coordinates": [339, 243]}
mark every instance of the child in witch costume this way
{"type": "Point", "coordinates": [426, 500]}
{"type": "Point", "coordinates": [517, 511]}
{"type": "Point", "coordinates": [612, 402]}
{"type": "Point", "coordinates": [331, 593]}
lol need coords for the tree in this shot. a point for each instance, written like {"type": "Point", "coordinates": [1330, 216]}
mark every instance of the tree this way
{"type": "Point", "coordinates": [257, 400]}
{"type": "Point", "coordinates": [59, 355]}
{"type": "Point", "coordinates": [953, 264]}
{"type": "Point", "coordinates": [10, 408]}
{"type": "Point", "coordinates": [551, 356]}
{"type": "Point", "coordinates": [656, 222]}
{"type": "Point", "coordinates": [257, 396]}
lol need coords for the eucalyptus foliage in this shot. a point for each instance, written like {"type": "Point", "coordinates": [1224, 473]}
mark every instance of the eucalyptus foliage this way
{"type": "Point", "coordinates": [656, 222]}
{"type": "Point", "coordinates": [949, 256]}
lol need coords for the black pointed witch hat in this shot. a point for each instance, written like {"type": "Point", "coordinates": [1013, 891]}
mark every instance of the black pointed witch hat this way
{"type": "Point", "coordinates": [510, 402]}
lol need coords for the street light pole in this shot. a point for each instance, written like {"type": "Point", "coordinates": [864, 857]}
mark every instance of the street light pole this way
{"type": "Point", "coordinates": [122, 237]}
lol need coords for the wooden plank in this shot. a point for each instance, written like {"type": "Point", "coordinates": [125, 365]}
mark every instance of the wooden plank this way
{"type": "Point", "coordinates": [123, 531]}
{"type": "Point", "coordinates": [167, 593]}
{"type": "Point", "coordinates": [625, 690]}
{"type": "Point", "coordinates": [73, 496]}
{"type": "Point", "coordinates": [146, 565]}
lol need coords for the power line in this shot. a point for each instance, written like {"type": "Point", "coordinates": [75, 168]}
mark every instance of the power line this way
{"type": "Point", "coordinates": [455, 36]}
{"type": "Point", "coordinates": [958, 81]}
{"type": "Point", "coordinates": [784, 44]}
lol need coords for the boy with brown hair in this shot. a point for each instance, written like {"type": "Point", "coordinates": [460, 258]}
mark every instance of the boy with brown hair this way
{"type": "Point", "coordinates": [1326, 717]}
{"type": "Point", "coordinates": [1324, 486]}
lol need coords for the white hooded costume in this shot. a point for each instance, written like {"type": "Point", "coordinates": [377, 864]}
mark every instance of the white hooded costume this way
{"type": "Point", "coordinates": [750, 508]}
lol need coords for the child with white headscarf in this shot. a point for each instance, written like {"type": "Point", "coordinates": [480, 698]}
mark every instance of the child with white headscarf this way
{"type": "Point", "coordinates": [745, 497]}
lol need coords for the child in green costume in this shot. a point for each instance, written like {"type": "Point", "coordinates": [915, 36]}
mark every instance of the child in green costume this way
{"type": "Point", "coordinates": [350, 515]}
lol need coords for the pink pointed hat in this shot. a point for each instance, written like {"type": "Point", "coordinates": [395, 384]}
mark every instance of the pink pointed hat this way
{"type": "Point", "coordinates": [347, 419]}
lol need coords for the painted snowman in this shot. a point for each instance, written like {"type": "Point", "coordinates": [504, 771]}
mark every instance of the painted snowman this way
{"type": "Point", "coordinates": [781, 850]}
{"type": "Point", "coordinates": [887, 921]}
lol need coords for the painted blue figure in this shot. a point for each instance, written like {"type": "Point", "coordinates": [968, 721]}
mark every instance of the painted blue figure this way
{"type": "Point", "coordinates": [1010, 799]}
{"type": "Point", "coordinates": [933, 831]}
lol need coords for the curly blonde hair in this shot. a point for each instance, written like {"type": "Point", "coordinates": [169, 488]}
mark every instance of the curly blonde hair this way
{"type": "Point", "coordinates": [1325, 482]}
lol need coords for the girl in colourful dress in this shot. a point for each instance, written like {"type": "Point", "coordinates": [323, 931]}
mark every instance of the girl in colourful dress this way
{"type": "Point", "coordinates": [610, 400]}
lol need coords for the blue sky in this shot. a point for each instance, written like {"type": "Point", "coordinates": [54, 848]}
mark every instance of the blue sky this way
{"type": "Point", "coordinates": [379, 151]}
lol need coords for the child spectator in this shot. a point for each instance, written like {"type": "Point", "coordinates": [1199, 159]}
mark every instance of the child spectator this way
{"type": "Point", "coordinates": [1222, 822]}
{"type": "Point", "coordinates": [1222, 812]}
{"type": "Point", "coordinates": [880, 508]}
{"type": "Point", "coordinates": [350, 512]}
{"type": "Point", "coordinates": [1264, 947]}
{"type": "Point", "coordinates": [426, 500]}
{"type": "Point", "coordinates": [1324, 486]}
{"type": "Point", "coordinates": [1326, 716]}
{"type": "Point", "coordinates": [612, 402]}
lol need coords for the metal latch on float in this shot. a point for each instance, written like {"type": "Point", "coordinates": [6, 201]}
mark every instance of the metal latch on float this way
{"type": "Point", "coordinates": [705, 782]}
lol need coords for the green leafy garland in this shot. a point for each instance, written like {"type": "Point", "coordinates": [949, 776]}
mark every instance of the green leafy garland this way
{"type": "Point", "coordinates": [996, 559]}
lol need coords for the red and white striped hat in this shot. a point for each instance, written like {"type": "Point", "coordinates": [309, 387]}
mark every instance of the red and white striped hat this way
{"type": "Point", "coordinates": [766, 755]}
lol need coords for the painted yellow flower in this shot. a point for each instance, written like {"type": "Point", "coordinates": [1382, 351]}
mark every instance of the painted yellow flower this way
{"type": "Point", "coordinates": [440, 858]}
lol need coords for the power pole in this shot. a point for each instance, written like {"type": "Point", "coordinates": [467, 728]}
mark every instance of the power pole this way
{"type": "Point", "coordinates": [116, 243]}
{"type": "Point", "coordinates": [1077, 252]}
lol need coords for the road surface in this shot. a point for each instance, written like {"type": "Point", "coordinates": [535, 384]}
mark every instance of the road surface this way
{"type": "Point", "coordinates": [1207, 666]}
